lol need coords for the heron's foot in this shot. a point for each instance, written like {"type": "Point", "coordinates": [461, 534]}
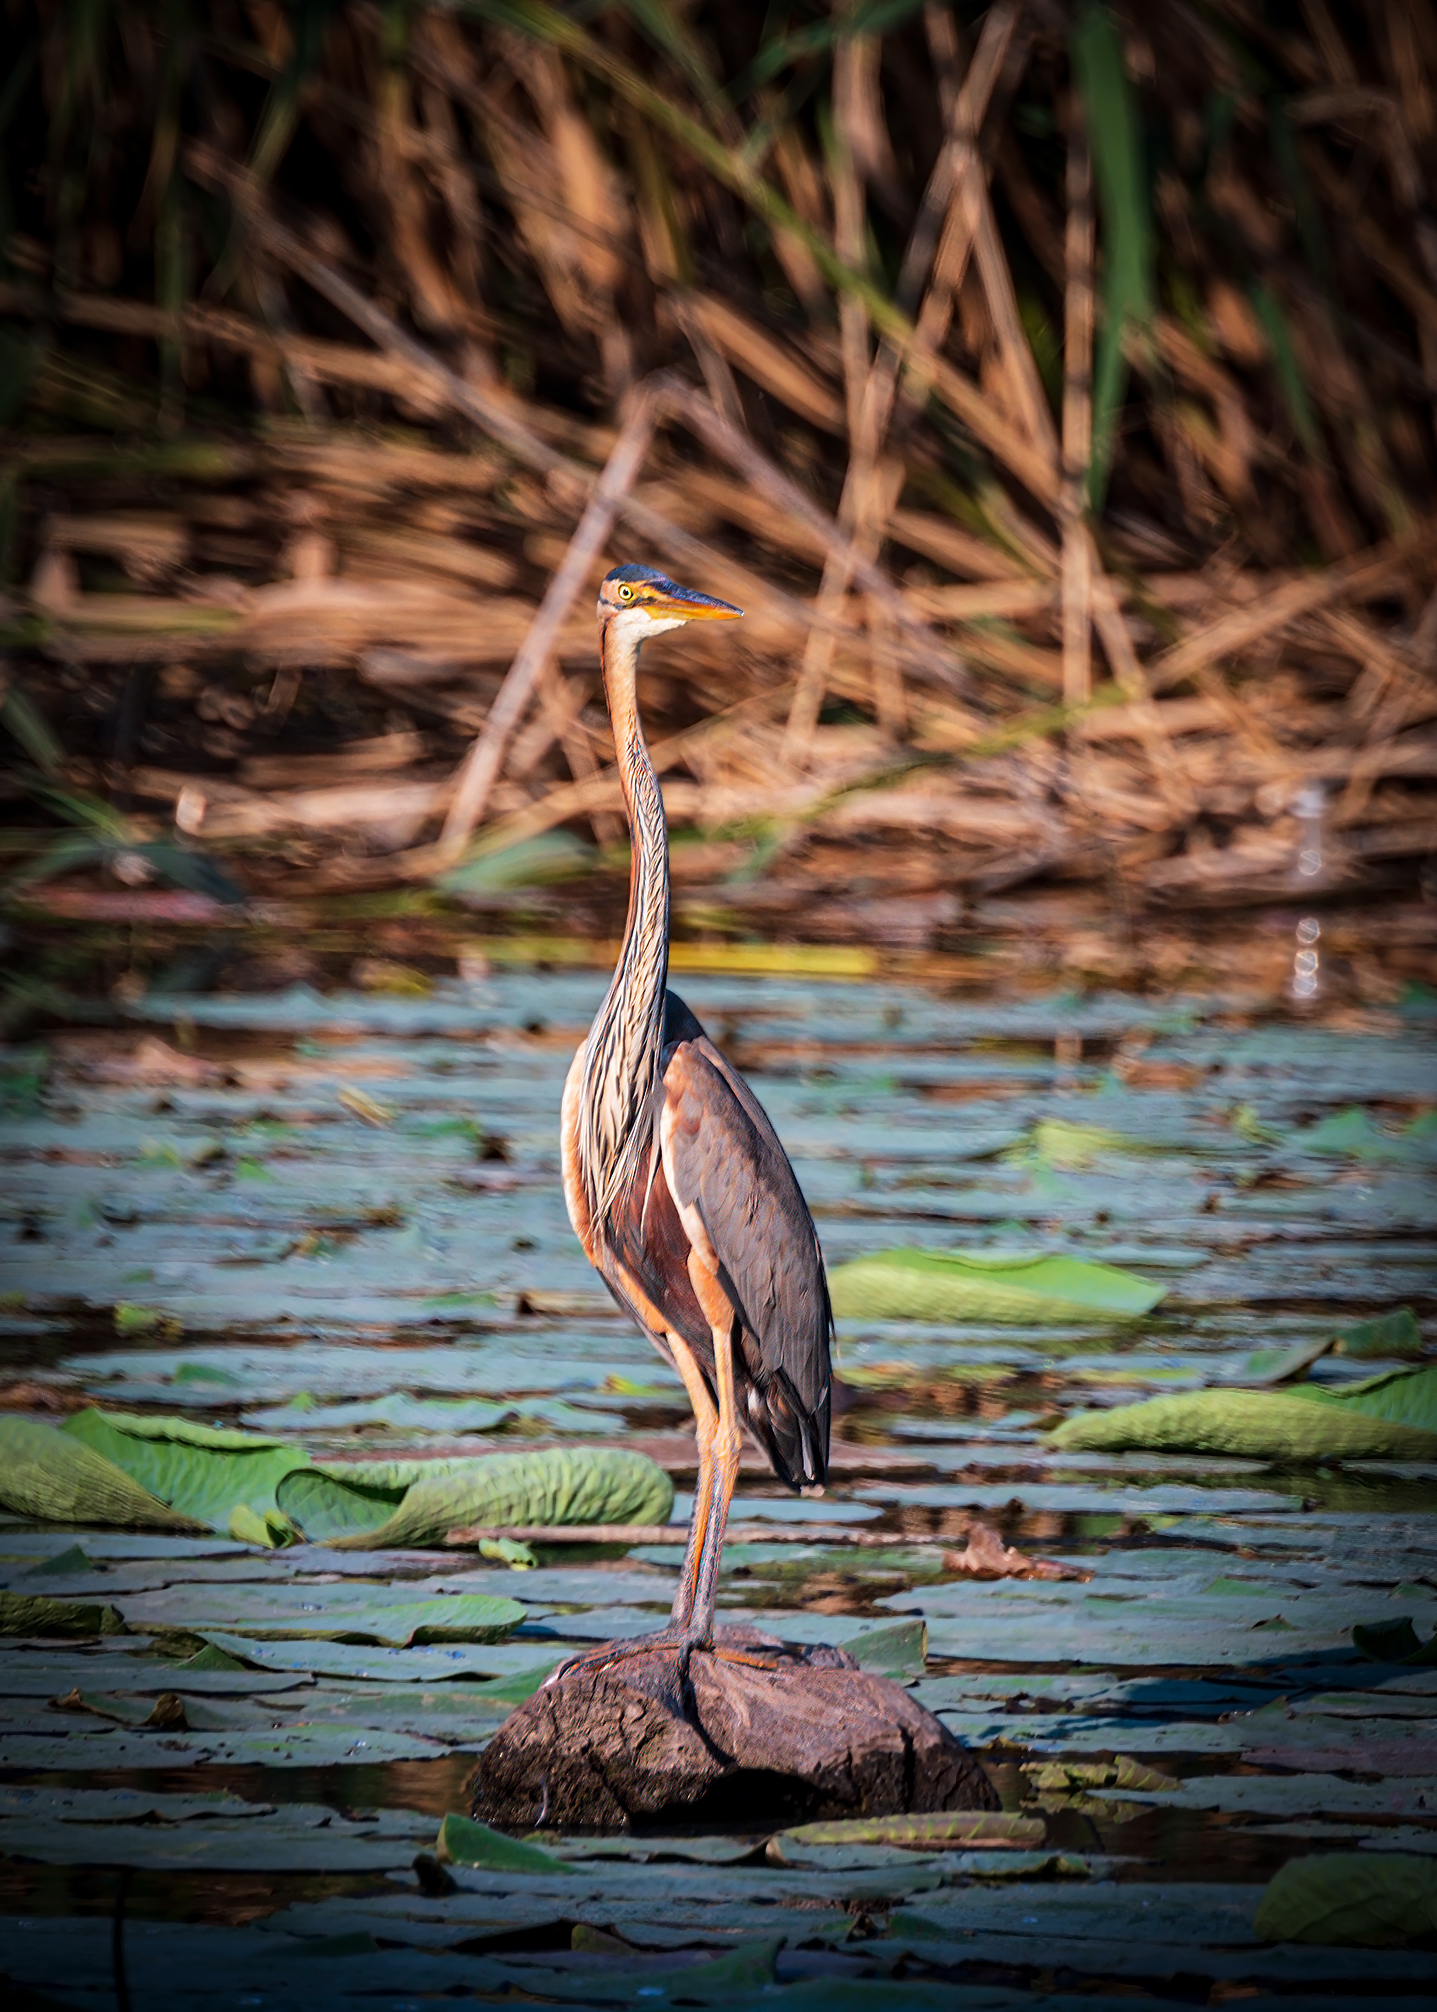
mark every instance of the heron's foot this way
{"type": "Point", "coordinates": [678, 1642]}
{"type": "Point", "coordinates": [751, 1659]}
{"type": "Point", "coordinates": [675, 1640]}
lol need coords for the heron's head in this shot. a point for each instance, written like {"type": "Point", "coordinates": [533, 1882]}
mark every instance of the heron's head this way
{"type": "Point", "coordinates": [641, 602]}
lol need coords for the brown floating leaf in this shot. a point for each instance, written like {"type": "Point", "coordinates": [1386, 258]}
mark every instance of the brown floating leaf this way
{"type": "Point", "coordinates": [986, 1556]}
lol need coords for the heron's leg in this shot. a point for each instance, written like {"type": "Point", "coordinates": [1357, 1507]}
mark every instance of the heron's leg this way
{"type": "Point", "coordinates": [678, 1636]}
{"type": "Point", "coordinates": [719, 1313]}
{"type": "Point", "coordinates": [705, 1426]}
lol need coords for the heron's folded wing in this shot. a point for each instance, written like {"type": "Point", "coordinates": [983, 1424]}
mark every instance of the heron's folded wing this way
{"type": "Point", "coordinates": [722, 1158]}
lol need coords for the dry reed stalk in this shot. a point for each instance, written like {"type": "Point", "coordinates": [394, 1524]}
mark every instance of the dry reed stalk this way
{"type": "Point", "coordinates": [524, 443]}
{"type": "Point", "coordinates": [480, 768]}
{"type": "Point", "coordinates": [848, 231]}
{"type": "Point", "coordinates": [1077, 415]}
{"type": "Point", "coordinates": [870, 491]}
{"type": "Point", "coordinates": [1363, 574]}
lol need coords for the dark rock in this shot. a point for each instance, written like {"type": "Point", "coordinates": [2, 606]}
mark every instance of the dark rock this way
{"type": "Point", "coordinates": [810, 1736]}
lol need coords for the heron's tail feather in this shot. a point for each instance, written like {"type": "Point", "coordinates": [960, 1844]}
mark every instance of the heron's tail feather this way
{"type": "Point", "coordinates": [794, 1437]}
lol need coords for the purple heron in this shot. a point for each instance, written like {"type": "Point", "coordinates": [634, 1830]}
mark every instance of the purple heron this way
{"type": "Point", "coordinates": [675, 1181]}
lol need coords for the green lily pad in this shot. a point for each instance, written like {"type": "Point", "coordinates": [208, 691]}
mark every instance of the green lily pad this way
{"type": "Point", "coordinates": [398, 1409]}
{"type": "Point", "coordinates": [35, 1614]}
{"type": "Point", "coordinates": [1394, 1642]}
{"type": "Point", "coordinates": [436, 1663]}
{"type": "Point", "coordinates": [1389, 1417]}
{"type": "Point", "coordinates": [1068, 1147]}
{"type": "Point", "coordinates": [1356, 1899]}
{"type": "Point", "coordinates": [944, 1830]}
{"type": "Point", "coordinates": [1353, 1134]}
{"type": "Point", "coordinates": [203, 1472]}
{"type": "Point", "coordinates": [66, 1564]}
{"type": "Point", "coordinates": [1390, 1334]}
{"type": "Point", "coordinates": [49, 1474]}
{"type": "Point", "coordinates": [454, 1617]}
{"type": "Point", "coordinates": [1402, 1397]}
{"type": "Point", "coordinates": [385, 1503]}
{"type": "Point", "coordinates": [983, 1286]}
{"type": "Point", "coordinates": [462, 1841]}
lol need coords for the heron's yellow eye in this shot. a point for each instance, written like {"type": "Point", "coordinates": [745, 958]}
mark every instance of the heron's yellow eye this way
{"type": "Point", "coordinates": [626, 593]}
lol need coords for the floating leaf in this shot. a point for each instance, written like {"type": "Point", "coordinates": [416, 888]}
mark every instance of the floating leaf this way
{"type": "Point", "coordinates": [247, 1526]}
{"type": "Point", "coordinates": [380, 1665]}
{"type": "Point", "coordinates": [382, 1503]}
{"type": "Point", "coordinates": [1405, 1396]}
{"type": "Point", "coordinates": [750, 1967]}
{"type": "Point", "coordinates": [983, 1286]}
{"type": "Point", "coordinates": [898, 1650]}
{"type": "Point", "coordinates": [1395, 1333]}
{"type": "Point", "coordinates": [399, 1408]}
{"type": "Point", "coordinates": [204, 1472]}
{"type": "Point", "coordinates": [944, 1830]}
{"type": "Point", "coordinates": [1121, 1772]}
{"type": "Point", "coordinates": [131, 1319]}
{"type": "Point", "coordinates": [508, 1551]}
{"type": "Point", "coordinates": [1394, 1641]}
{"type": "Point", "coordinates": [1364, 1900]}
{"type": "Point", "coordinates": [1390, 1417]}
{"type": "Point", "coordinates": [453, 1617]}
{"type": "Point", "coordinates": [48, 1474]}
{"type": "Point", "coordinates": [462, 1841]}
{"type": "Point", "coordinates": [207, 1372]}
{"type": "Point", "coordinates": [1272, 1366]}
{"type": "Point", "coordinates": [63, 1565]}
{"type": "Point", "coordinates": [1353, 1134]}
{"type": "Point", "coordinates": [1068, 1147]}
{"type": "Point", "coordinates": [34, 1614]}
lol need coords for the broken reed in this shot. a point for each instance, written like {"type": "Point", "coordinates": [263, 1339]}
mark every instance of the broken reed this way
{"type": "Point", "coordinates": [991, 359]}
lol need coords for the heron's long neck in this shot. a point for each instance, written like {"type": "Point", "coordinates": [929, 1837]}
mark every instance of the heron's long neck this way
{"type": "Point", "coordinates": [622, 1058]}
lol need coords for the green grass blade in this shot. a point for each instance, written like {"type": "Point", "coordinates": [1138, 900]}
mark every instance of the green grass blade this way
{"type": "Point", "coordinates": [1124, 210]}
{"type": "Point", "coordinates": [1284, 362]}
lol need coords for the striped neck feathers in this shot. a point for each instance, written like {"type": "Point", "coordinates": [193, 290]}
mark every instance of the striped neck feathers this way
{"type": "Point", "coordinates": [622, 1053]}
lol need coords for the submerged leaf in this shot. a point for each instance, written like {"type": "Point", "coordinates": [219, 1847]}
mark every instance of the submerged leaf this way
{"type": "Point", "coordinates": [508, 1551]}
{"type": "Point", "coordinates": [983, 1286]}
{"type": "Point", "coordinates": [1364, 1900]}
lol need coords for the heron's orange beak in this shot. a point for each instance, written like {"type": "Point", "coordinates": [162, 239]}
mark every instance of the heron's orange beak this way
{"type": "Point", "coordinates": [683, 604]}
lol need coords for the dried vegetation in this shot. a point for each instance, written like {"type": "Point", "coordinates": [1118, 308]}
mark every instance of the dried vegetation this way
{"type": "Point", "coordinates": [1053, 386]}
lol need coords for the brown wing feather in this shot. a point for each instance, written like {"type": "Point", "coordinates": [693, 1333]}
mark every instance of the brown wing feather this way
{"type": "Point", "coordinates": [729, 1165]}
{"type": "Point", "coordinates": [724, 1160]}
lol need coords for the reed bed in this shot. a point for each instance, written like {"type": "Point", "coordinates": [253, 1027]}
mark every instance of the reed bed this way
{"type": "Point", "coordinates": [1054, 387]}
